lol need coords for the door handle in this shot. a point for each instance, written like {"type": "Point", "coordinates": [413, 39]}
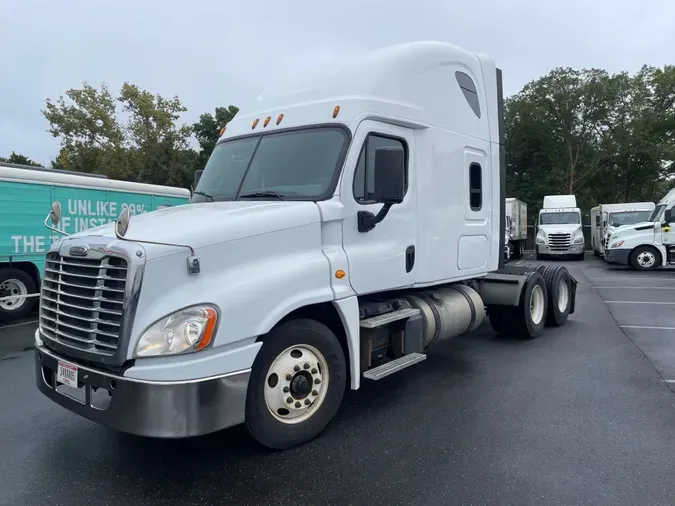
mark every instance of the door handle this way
{"type": "Point", "coordinates": [409, 258]}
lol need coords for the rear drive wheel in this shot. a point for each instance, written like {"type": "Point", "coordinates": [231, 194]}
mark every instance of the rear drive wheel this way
{"type": "Point", "coordinates": [527, 320]}
{"type": "Point", "coordinates": [536, 268]}
{"type": "Point", "coordinates": [559, 287]}
{"type": "Point", "coordinates": [14, 284]}
{"type": "Point", "coordinates": [645, 258]}
{"type": "Point", "coordinates": [296, 386]}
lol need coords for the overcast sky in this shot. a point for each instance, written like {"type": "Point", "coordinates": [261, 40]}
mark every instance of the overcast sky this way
{"type": "Point", "coordinates": [212, 53]}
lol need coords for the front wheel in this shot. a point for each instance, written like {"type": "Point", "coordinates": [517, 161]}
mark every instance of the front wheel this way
{"type": "Point", "coordinates": [14, 286]}
{"type": "Point", "coordinates": [645, 258]}
{"type": "Point", "coordinates": [296, 386]}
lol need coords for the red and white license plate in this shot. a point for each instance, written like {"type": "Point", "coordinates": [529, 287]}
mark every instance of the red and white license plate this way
{"type": "Point", "coordinates": [67, 374]}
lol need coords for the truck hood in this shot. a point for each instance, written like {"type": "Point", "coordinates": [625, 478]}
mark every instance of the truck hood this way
{"type": "Point", "coordinates": [204, 224]}
{"type": "Point", "coordinates": [559, 229]}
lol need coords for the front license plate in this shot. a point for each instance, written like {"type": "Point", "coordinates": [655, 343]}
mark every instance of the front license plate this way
{"type": "Point", "coordinates": [67, 374]}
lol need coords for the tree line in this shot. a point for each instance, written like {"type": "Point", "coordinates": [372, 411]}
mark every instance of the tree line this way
{"type": "Point", "coordinates": [603, 137]}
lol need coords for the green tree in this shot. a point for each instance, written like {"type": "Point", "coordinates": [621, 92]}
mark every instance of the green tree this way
{"type": "Point", "coordinates": [133, 136]}
{"type": "Point", "coordinates": [19, 160]}
{"type": "Point", "coordinates": [207, 131]}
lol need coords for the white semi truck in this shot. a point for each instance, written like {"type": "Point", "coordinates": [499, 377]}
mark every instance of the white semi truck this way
{"type": "Point", "coordinates": [606, 218]}
{"type": "Point", "coordinates": [648, 245]}
{"type": "Point", "coordinates": [349, 220]}
{"type": "Point", "coordinates": [516, 217]}
{"type": "Point", "coordinates": [559, 228]}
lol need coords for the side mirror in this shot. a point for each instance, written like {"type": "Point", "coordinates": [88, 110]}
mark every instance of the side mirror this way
{"type": "Point", "coordinates": [55, 212]}
{"type": "Point", "coordinates": [389, 185]}
{"type": "Point", "coordinates": [198, 176]}
{"type": "Point", "coordinates": [122, 223]}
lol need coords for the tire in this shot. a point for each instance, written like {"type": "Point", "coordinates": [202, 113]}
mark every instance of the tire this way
{"type": "Point", "coordinates": [559, 287]}
{"type": "Point", "coordinates": [539, 256]}
{"type": "Point", "coordinates": [315, 342]}
{"type": "Point", "coordinates": [596, 253]}
{"type": "Point", "coordinates": [639, 258]}
{"type": "Point", "coordinates": [517, 250]}
{"type": "Point", "coordinates": [519, 321]}
{"type": "Point", "coordinates": [536, 268]}
{"type": "Point", "coordinates": [15, 282]}
{"type": "Point", "coordinates": [580, 257]}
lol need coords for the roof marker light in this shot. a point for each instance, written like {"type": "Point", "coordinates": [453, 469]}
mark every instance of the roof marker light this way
{"type": "Point", "coordinates": [255, 123]}
{"type": "Point", "coordinates": [279, 118]}
{"type": "Point", "coordinates": [267, 121]}
{"type": "Point", "coordinates": [336, 111]}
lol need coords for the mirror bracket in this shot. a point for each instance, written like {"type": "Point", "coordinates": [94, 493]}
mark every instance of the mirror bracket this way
{"type": "Point", "coordinates": [367, 220]}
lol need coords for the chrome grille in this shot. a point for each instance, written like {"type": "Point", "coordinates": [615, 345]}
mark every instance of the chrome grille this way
{"type": "Point", "coordinates": [559, 242]}
{"type": "Point", "coordinates": [82, 300]}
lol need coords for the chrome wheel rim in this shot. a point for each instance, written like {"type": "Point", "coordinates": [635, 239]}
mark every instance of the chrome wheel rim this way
{"type": "Point", "coordinates": [16, 290]}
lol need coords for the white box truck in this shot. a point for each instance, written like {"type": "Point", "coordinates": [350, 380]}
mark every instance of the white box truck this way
{"type": "Point", "coordinates": [648, 245]}
{"type": "Point", "coordinates": [516, 215]}
{"type": "Point", "coordinates": [559, 229]}
{"type": "Point", "coordinates": [342, 226]}
{"type": "Point", "coordinates": [606, 218]}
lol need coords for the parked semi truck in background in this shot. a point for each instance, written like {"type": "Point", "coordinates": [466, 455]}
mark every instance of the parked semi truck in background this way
{"type": "Point", "coordinates": [349, 220]}
{"type": "Point", "coordinates": [606, 218]}
{"type": "Point", "coordinates": [559, 228]}
{"type": "Point", "coordinates": [89, 200]}
{"type": "Point", "coordinates": [516, 213]}
{"type": "Point", "coordinates": [648, 245]}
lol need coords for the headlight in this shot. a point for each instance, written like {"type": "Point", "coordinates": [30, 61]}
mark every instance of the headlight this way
{"type": "Point", "coordinates": [617, 244]}
{"type": "Point", "coordinates": [188, 330]}
{"type": "Point", "coordinates": [579, 239]}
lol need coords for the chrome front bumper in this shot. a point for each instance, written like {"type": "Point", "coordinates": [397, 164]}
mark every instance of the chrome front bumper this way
{"type": "Point", "coordinates": [573, 249]}
{"type": "Point", "coordinates": [147, 408]}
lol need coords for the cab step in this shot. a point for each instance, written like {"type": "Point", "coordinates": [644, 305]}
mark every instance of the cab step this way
{"type": "Point", "coordinates": [385, 370]}
{"type": "Point", "coordinates": [387, 318]}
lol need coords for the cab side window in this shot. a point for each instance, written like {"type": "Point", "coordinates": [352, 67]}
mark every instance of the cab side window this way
{"type": "Point", "coordinates": [364, 176]}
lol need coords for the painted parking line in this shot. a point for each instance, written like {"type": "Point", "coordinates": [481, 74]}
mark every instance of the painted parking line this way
{"type": "Point", "coordinates": [526, 258]}
{"type": "Point", "coordinates": [645, 327]}
{"type": "Point", "coordinates": [636, 287]}
{"type": "Point", "coordinates": [17, 324]}
{"type": "Point", "coordinates": [638, 302]}
{"type": "Point", "coordinates": [631, 278]}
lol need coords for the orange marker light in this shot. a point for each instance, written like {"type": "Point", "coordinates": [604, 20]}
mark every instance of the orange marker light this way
{"type": "Point", "coordinates": [222, 131]}
{"type": "Point", "coordinates": [267, 121]}
{"type": "Point", "coordinates": [255, 123]}
{"type": "Point", "coordinates": [279, 118]}
{"type": "Point", "coordinates": [336, 111]}
{"type": "Point", "coordinates": [339, 274]}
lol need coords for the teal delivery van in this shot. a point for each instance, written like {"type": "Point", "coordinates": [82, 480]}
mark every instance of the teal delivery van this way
{"type": "Point", "coordinates": [26, 195]}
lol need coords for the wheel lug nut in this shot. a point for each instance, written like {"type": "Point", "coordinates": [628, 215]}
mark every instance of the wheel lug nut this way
{"type": "Point", "coordinates": [314, 371]}
{"type": "Point", "coordinates": [289, 377]}
{"type": "Point", "coordinates": [296, 368]}
{"type": "Point", "coordinates": [286, 390]}
{"type": "Point", "coordinates": [289, 400]}
{"type": "Point", "coordinates": [314, 392]}
{"type": "Point", "coordinates": [297, 404]}
{"type": "Point", "coordinates": [306, 366]}
{"type": "Point", "coordinates": [317, 381]}
{"type": "Point", "coordinates": [308, 402]}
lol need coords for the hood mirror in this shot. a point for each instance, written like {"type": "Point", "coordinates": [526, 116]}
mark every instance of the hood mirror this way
{"type": "Point", "coordinates": [55, 217]}
{"type": "Point", "coordinates": [122, 223]}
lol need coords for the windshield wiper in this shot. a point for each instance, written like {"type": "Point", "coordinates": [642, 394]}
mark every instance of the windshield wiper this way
{"type": "Point", "coordinates": [262, 195]}
{"type": "Point", "coordinates": [204, 195]}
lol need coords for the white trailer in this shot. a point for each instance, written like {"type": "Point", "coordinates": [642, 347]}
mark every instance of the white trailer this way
{"type": "Point", "coordinates": [559, 229]}
{"type": "Point", "coordinates": [647, 245]}
{"type": "Point", "coordinates": [340, 228]}
{"type": "Point", "coordinates": [606, 218]}
{"type": "Point", "coordinates": [516, 211]}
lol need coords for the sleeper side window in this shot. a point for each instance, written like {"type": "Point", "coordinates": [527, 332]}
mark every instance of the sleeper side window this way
{"type": "Point", "coordinates": [475, 187]}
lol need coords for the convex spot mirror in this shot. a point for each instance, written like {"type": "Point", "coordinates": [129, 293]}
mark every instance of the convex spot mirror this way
{"type": "Point", "coordinates": [122, 223]}
{"type": "Point", "coordinates": [55, 212]}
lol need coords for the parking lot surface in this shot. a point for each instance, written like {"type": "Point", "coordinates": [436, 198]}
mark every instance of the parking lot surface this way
{"type": "Point", "coordinates": [579, 415]}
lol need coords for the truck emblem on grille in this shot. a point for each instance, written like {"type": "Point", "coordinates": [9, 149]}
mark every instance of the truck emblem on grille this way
{"type": "Point", "coordinates": [79, 251]}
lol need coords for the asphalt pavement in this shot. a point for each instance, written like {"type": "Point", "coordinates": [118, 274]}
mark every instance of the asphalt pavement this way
{"type": "Point", "coordinates": [579, 415]}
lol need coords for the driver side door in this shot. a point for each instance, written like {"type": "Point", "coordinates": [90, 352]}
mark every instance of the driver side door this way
{"type": "Point", "coordinates": [668, 227]}
{"type": "Point", "coordinates": [382, 258]}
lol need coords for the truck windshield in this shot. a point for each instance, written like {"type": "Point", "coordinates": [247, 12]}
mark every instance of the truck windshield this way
{"type": "Point", "coordinates": [656, 213]}
{"type": "Point", "coordinates": [570, 218]}
{"type": "Point", "coordinates": [628, 218]}
{"type": "Point", "coordinates": [294, 165]}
